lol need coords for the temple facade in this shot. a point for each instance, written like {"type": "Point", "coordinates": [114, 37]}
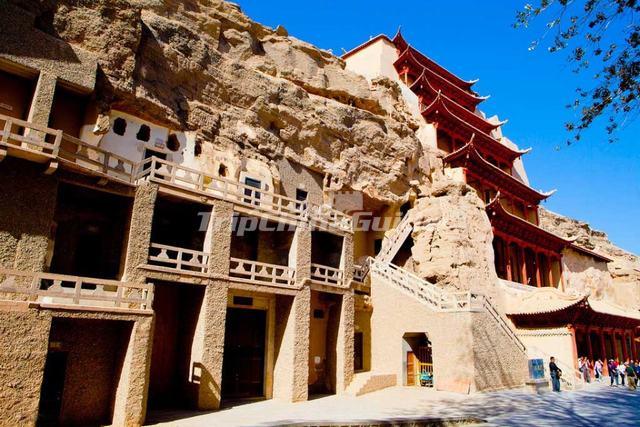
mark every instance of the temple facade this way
{"type": "Point", "coordinates": [148, 263]}
{"type": "Point", "coordinates": [542, 277]}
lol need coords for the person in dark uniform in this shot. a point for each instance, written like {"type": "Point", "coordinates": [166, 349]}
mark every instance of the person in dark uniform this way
{"type": "Point", "coordinates": [556, 373]}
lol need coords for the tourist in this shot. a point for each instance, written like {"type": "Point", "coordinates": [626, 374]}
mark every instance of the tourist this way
{"type": "Point", "coordinates": [613, 371]}
{"type": "Point", "coordinates": [598, 370]}
{"type": "Point", "coordinates": [621, 372]}
{"type": "Point", "coordinates": [555, 374]}
{"type": "Point", "coordinates": [637, 368]}
{"type": "Point", "coordinates": [631, 375]}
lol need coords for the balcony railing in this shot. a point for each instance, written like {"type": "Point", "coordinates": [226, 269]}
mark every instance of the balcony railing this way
{"type": "Point", "coordinates": [326, 216]}
{"type": "Point", "coordinates": [168, 173]}
{"type": "Point", "coordinates": [81, 154]}
{"type": "Point", "coordinates": [261, 273]}
{"type": "Point", "coordinates": [164, 172]}
{"type": "Point", "coordinates": [180, 259]}
{"type": "Point", "coordinates": [326, 275]}
{"type": "Point", "coordinates": [59, 289]}
{"type": "Point", "coordinates": [25, 137]}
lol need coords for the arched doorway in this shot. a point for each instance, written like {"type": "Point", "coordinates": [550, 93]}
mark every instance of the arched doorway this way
{"type": "Point", "coordinates": [417, 359]}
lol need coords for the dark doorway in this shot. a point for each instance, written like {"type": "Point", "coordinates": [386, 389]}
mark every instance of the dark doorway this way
{"type": "Point", "coordinates": [177, 308]}
{"type": "Point", "coordinates": [68, 111]}
{"type": "Point", "coordinates": [323, 342]}
{"type": "Point", "coordinates": [16, 94]}
{"type": "Point", "coordinates": [91, 232]}
{"type": "Point", "coordinates": [52, 388]}
{"type": "Point", "coordinates": [244, 354]}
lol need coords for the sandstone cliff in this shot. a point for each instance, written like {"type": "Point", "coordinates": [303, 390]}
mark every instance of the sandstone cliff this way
{"type": "Point", "coordinates": [625, 266]}
{"type": "Point", "coordinates": [202, 65]}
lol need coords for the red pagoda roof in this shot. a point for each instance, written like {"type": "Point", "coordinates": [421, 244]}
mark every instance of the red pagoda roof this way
{"type": "Point", "coordinates": [423, 86]}
{"type": "Point", "coordinates": [517, 227]}
{"type": "Point", "coordinates": [550, 308]}
{"type": "Point", "coordinates": [466, 98]}
{"type": "Point", "coordinates": [469, 157]}
{"type": "Point", "coordinates": [402, 45]}
{"type": "Point", "coordinates": [441, 113]}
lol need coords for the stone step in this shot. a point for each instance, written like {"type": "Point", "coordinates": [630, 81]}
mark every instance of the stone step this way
{"type": "Point", "coordinates": [367, 382]}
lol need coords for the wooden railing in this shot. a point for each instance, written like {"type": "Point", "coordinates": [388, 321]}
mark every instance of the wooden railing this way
{"type": "Point", "coordinates": [441, 300]}
{"type": "Point", "coordinates": [326, 275]}
{"type": "Point", "coordinates": [168, 173]}
{"type": "Point", "coordinates": [59, 289]}
{"type": "Point", "coordinates": [483, 302]}
{"type": "Point", "coordinates": [360, 272]}
{"type": "Point", "coordinates": [430, 294]}
{"type": "Point", "coordinates": [326, 216]}
{"type": "Point", "coordinates": [261, 273]}
{"type": "Point", "coordinates": [96, 159]}
{"type": "Point", "coordinates": [179, 259]}
{"type": "Point", "coordinates": [393, 240]}
{"type": "Point", "coordinates": [161, 171]}
{"type": "Point", "coordinates": [28, 137]}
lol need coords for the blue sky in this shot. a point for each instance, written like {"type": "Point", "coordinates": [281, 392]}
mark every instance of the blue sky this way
{"type": "Point", "coordinates": [597, 182]}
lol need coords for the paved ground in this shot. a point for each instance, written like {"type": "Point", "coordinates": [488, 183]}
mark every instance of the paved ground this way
{"type": "Point", "coordinates": [596, 406]}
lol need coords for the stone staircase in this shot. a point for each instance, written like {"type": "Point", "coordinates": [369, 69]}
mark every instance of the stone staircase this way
{"type": "Point", "coordinates": [367, 382]}
{"type": "Point", "coordinates": [394, 240]}
{"type": "Point", "coordinates": [438, 299]}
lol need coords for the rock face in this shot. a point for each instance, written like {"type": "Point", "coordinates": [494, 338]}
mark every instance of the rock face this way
{"type": "Point", "coordinates": [625, 267]}
{"type": "Point", "coordinates": [453, 239]}
{"type": "Point", "coordinates": [204, 66]}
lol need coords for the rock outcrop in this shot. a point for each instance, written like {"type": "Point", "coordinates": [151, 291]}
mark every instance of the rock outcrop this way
{"type": "Point", "coordinates": [625, 267]}
{"type": "Point", "coordinates": [204, 66]}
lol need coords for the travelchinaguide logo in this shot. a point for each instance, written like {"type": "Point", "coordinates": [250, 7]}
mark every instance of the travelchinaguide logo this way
{"type": "Point", "coordinates": [343, 210]}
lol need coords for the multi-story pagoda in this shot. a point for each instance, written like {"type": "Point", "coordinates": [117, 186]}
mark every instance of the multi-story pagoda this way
{"type": "Point", "coordinates": [526, 256]}
{"type": "Point", "coordinates": [524, 252]}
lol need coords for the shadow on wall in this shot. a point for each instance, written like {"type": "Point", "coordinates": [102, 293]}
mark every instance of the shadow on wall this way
{"type": "Point", "coordinates": [499, 363]}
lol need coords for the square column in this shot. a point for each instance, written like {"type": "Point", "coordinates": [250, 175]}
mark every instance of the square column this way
{"type": "Point", "coordinates": [130, 404]}
{"type": "Point", "coordinates": [346, 259]}
{"type": "Point", "coordinates": [140, 232]}
{"type": "Point", "coordinates": [291, 370]}
{"type": "Point", "coordinates": [345, 345]}
{"type": "Point", "coordinates": [218, 238]}
{"type": "Point", "coordinates": [208, 345]}
{"type": "Point", "coordinates": [300, 254]}
{"type": "Point", "coordinates": [42, 99]}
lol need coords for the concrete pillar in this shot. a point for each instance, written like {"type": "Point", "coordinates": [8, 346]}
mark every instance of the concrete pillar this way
{"type": "Point", "coordinates": [300, 256]}
{"type": "Point", "coordinates": [24, 338]}
{"type": "Point", "coordinates": [140, 231]}
{"type": "Point", "coordinates": [209, 345]}
{"type": "Point", "coordinates": [218, 239]}
{"type": "Point", "coordinates": [42, 99]}
{"type": "Point", "coordinates": [26, 215]}
{"type": "Point", "coordinates": [344, 347]}
{"type": "Point", "coordinates": [130, 404]}
{"type": "Point", "coordinates": [346, 260]}
{"type": "Point", "coordinates": [291, 371]}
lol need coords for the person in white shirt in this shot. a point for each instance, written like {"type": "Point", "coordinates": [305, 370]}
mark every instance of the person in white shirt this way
{"type": "Point", "coordinates": [598, 370]}
{"type": "Point", "coordinates": [621, 372]}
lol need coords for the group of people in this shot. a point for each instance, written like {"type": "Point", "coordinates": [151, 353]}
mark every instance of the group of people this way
{"type": "Point", "coordinates": [619, 372]}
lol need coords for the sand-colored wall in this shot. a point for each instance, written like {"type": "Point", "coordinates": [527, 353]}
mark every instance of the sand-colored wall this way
{"type": "Point", "coordinates": [24, 337]}
{"type": "Point", "coordinates": [362, 324]}
{"type": "Point", "coordinates": [544, 343]}
{"type": "Point", "coordinates": [583, 274]}
{"type": "Point", "coordinates": [26, 214]}
{"type": "Point", "coordinates": [470, 351]}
